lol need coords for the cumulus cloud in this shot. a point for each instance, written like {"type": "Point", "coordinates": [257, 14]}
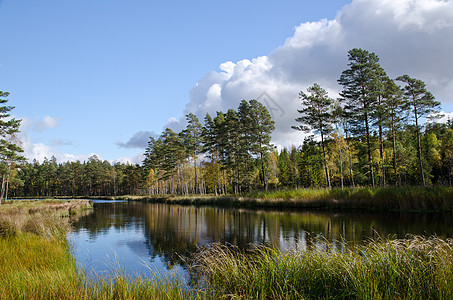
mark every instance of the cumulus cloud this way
{"type": "Point", "coordinates": [38, 125]}
{"type": "Point", "coordinates": [40, 151]}
{"type": "Point", "coordinates": [444, 119]}
{"type": "Point", "coordinates": [136, 159]}
{"type": "Point", "coordinates": [410, 36]}
{"type": "Point", "coordinates": [60, 142]}
{"type": "Point", "coordinates": [138, 140]}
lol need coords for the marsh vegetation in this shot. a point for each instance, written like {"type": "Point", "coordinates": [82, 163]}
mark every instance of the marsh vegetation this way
{"type": "Point", "coordinates": [36, 263]}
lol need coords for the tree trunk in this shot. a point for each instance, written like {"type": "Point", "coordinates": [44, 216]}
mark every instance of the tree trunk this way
{"type": "Point", "coordinates": [262, 170]}
{"type": "Point", "coordinates": [7, 186]}
{"type": "Point", "coordinates": [381, 155]}
{"type": "Point", "coordinates": [368, 142]}
{"type": "Point", "coordinates": [351, 172]}
{"type": "Point", "coordinates": [325, 159]}
{"type": "Point", "coordinates": [419, 147]}
{"type": "Point", "coordinates": [196, 175]}
{"type": "Point", "coordinates": [420, 160]}
{"type": "Point", "coordinates": [397, 180]}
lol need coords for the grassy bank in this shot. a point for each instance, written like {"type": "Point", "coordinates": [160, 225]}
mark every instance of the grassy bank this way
{"type": "Point", "coordinates": [35, 259]}
{"type": "Point", "coordinates": [35, 263]}
{"type": "Point", "coordinates": [407, 198]}
{"type": "Point", "coordinates": [414, 268]}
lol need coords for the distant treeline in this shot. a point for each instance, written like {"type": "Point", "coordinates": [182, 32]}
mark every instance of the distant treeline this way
{"type": "Point", "coordinates": [289, 168]}
{"type": "Point", "coordinates": [375, 134]}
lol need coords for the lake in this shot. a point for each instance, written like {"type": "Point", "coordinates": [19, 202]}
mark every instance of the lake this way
{"type": "Point", "coordinates": [157, 239]}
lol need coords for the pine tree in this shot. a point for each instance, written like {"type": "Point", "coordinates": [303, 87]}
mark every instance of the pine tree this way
{"type": "Point", "coordinates": [379, 85]}
{"type": "Point", "coordinates": [422, 104]}
{"type": "Point", "coordinates": [393, 104]}
{"type": "Point", "coordinates": [9, 145]}
{"type": "Point", "coordinates": [234, 147]}
{"type": "Point", "coordinates": [221, 142]}
{"type": "Point", "coordinates": [359, 96]}
{"type": "Point", "coordinates": [317, 117]}
{"type": "Point", "coordinates": [261, 126]}
{"type": "Point", "coordinates": [193, 141]}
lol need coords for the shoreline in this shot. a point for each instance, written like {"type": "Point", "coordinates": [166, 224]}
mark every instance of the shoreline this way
{"type": "Point", "coordinates": [39, 265]}
{"type": "Point", "coordinates": [399, 199]}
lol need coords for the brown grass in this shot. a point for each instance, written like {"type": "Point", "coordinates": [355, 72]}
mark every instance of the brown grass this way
{"type": "Point", "coordinates": [45, 218]}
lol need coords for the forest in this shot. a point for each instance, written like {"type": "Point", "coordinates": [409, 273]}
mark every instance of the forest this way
{"type": "Point", "coordinates": [379, 132]}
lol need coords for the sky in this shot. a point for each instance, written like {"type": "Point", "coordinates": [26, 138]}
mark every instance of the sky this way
{"type": "Point", "coordinates": [102, 76]}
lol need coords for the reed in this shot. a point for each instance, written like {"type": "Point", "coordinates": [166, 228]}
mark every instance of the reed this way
{"type": "Point", "coordinates": [44, 218]}
{"type": "Point", "coordinates": [37, 264]}
{"type": "Point", "coordinates": [413, 268]}
{"type": "Point", "coordinates": [404, 198]}
{"type": "Point", "coordinates": [35, 260]}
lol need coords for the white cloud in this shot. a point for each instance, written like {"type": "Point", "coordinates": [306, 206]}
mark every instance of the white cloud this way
{"type": "Point", "coordinates": [60, 142]}
{"type": "Point", "coordinates": [136, 159]}
{"type": "Point", "coordinates": [410, 36]}
{"type": "Point", "coordinates": [37, 124]}
{"type": "Point", "coordinates": [445, 117]}
{"type": "Point", "coordinates": [40, 151]}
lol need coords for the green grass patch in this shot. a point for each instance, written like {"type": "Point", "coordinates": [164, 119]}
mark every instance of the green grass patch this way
{"type": "Point", "coordinates": [35, 260]}
{"type": "Point", "coordinates": [35, 263]}
{"type": "Point", "coordinates": [405, 198]}
{"type": "Point", "coordinates": [413, 268]}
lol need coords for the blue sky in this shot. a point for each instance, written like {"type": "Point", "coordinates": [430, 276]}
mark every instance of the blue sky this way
{"type": "Point", "coordinates": [98, 77]}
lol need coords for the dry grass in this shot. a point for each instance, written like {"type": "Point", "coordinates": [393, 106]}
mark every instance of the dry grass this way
{"type": "Point", "coordinates": [44, 218]}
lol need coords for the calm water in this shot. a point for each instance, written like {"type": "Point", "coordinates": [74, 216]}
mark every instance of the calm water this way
{"type": "Point", "coordinates": [149, 239]}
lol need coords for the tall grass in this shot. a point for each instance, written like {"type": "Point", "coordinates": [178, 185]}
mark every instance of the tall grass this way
{"type": "Point", "coordinates": [35, 259]}
{"type": "Point", "coordinates": [414, 268]}
{"type": "Point", "coordinates": [43, 218]}
{"type": "Point", "coordinates": [387, 198]}
{"type": "Point", "coordinates": [405, 198]}
{"type": "Point", "coordinates": [35, 267]}
{"type": "Point", "coordinates": [37, 264]}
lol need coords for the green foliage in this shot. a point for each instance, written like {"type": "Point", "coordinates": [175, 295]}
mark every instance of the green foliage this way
{"type": "Point", "coordinates": [9, 146]}
{"type": "Point", "coordinates": [317, 116]}
{"type": "Point", "coordinates": [371, 135]}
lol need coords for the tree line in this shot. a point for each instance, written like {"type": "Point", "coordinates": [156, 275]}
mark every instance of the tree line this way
{"type": "Point", "coordinates": [93, 177]}
{"type": "Point", "coordinates": [376, 133]}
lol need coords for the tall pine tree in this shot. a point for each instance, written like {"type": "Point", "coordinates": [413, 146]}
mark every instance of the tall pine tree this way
{"type": "Point", "coordinates": [9, 145]}
{"type": "Point", "coordinates": [317, 116]}
{"type": "Point", "coordinates": [422, 104]}
{"type": "Point", "coordinates": [359, 97]}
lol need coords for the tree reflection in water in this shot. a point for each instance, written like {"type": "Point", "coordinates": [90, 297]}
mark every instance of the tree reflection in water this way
{"type": "Point", "coordinates": [172, 233]}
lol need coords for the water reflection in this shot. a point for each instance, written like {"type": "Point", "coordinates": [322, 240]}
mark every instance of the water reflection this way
{"type": "Point", "coordinates": [163, 236]}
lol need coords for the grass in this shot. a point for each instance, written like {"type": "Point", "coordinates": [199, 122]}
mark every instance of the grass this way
{"type": "Point", "coordinates": [35, 259]}
{"type": "Point", "coordinates": [413, 268]}
{"type": "Point", "coordinates": [43, 218]}
{"type": "Point", "coordinates": [35, 263]}
{"type": "Point", "coordinates": [406, 198]}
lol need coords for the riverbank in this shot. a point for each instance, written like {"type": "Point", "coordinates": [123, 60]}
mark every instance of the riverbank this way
{"type": "Point", "coordinates": [407, 198]}
{"type": "Point", "coordinates": [37, 264]}
{"type": "Point", "coordinates": [413, 268]}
